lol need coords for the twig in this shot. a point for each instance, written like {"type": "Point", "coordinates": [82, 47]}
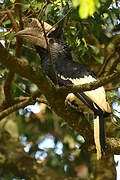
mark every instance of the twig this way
{"type": "Point", "coordinates": [43, 8]}
{"type": "Point", "coordinates": [114, 123]}
{"type": "Point", "coordinates": [34, 13]}
{"type": "Point", "coordinates": [113, 66]}
{"type": "Point", "coordinates": [19, 7]}
{"type": "Point", "coordinates": [20, 99]}
{"type": "Point", "coordinates": [59, 20]}
{"type": "Point", "coordinates": [105, 63]}
{"type": "Point", "coordinates": [22, 90]}
{"type": "Point", "coordinates": [42, 101]}
{"type": "Point", "coordinates": [15, 107]}
{"type": "Point", "coordinates": [112, 88]}
{"type": "Point", "coordinates": [19, 40]}
{"type": "Point", "coordinates": [110, 52]}
{"type": "Point", "coordinates": [50, 56]}
{"type": "Point", "coordinates": [8, 32]}
{"type": "Point", "coordinates": [7, 87]}
{"type": "Point", "coordinates": [117, 2]}
{"type": "Point", "coordinates": [13, 21]}
{"type": "Point", "coordinates": [4, 12]}
{"type": "Point", "coordinates": [3, 18]}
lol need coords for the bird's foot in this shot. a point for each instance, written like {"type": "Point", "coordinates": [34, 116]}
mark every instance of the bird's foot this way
{"type": "Point", "coordinates": [70, 101]}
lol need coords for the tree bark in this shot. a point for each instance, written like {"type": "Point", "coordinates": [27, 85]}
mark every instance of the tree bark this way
{"type": "Point", "coordinates": [103, 169]}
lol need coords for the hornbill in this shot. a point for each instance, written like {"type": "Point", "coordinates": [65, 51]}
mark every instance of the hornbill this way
{"type": "Point", "coordinates": [69, 72]}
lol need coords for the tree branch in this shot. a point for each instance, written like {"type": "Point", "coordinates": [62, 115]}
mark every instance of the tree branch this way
{"type": "Point", "coordinates": [56, 100]}
{"type": "Point", "coordinates": [7, 87]}
{"type": "Point", "coordinates": [90, 86]}
{"type": "Point", "coordinates": [22, 104]}
{"type": "Point", "coordinates": [110, 56]}
{"type": "Point", "coordinates": [112, 146]}
{"type": "Point", "coordinates": [13, 21]}
{"type": "Point", "coordinates": [56, 96]}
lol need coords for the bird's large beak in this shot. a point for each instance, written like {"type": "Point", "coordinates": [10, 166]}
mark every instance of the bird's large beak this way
{"type": "Point", "coordinates": [34, 36]}
{"type": "Point", "coordinates": [34, 33]}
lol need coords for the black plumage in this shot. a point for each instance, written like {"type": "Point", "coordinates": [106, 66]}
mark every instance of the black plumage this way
{"type": "Point", "coordinates": [66, 69]}
{"type": "Point", "coordinates": [70, 72]}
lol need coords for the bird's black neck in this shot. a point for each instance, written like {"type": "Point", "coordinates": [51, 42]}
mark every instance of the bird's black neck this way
{"type": "Point", "coordinates": [42, 52]}
{"type": "Point", "coordinates": [59, 53]}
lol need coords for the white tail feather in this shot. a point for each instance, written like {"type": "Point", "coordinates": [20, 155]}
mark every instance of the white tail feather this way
{"type": "Point", "coordinates": [97, 137]}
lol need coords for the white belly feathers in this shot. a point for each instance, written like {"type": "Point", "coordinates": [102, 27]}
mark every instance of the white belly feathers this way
{"type": "Point", "coordinates": [98, 95]}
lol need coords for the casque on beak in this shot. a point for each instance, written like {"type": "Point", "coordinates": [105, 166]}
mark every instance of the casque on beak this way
{"type": "Point", "coordinates": [34, 32]}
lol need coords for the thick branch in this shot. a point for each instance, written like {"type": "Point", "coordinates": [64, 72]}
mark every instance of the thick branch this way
{"type": "Point", "coordinates": [90, 86]}
{"type": "Point", "coordinates": [15, 107]}
{"type": "Point", "coordinates": [33, 73]}
{"type": "Point", "coordinates": [112, 146]}
{"type": "Point", "coordinates": [36, 74]}
{"type": "Point", "coordinates": [56, 98]}
{"type": "Point", "coordinates": [21, 104]}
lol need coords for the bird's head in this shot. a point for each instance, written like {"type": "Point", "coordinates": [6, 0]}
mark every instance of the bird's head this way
{"type": "Point", "coordinates": [34, 31]}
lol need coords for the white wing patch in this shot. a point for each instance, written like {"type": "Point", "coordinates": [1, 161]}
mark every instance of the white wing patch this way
{"type": "Point", "coordinates": [96, 137]}
{"type": "Point", "coordinates": [98, 95]}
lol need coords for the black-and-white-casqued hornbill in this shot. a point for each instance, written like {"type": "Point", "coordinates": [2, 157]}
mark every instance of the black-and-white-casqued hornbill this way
{"type": "Point", "coordinates": [69, 72]}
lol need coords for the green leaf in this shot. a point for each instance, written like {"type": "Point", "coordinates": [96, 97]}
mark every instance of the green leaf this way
{"type": "Point", "coordinates": [37, 5]}
{"type": "Point", "coordinates": [12, 1]}
{"type": "Point", "coordinates": [6, 22]}
{"type": "Point", "coordinates": [84, 10]}
{"type": "Point", "coordinates": [63, 124]}
{"type": "Point", "coordinates": [75, 3]}
{"type": "Point", "coordinates": [99, 58]}
{"type": "Point", "coordinates": [95, 49]}
{"type": "Point", "coordinates": [97, 3]}
{"type": "Point", "coordinates": [10, 36]}
{"type": "Point", "coordinates": [87, 7]}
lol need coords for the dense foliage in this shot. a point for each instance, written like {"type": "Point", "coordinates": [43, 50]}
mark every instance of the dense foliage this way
{"type": "Point", "coordinates": [53, 148]}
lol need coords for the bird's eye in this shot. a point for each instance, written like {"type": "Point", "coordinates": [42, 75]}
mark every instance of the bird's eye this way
{"type": "Point", "coordinates": [51, 40]}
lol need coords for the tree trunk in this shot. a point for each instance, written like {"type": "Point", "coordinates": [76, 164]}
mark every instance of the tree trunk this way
{"type": "Point", "coordinates": [104, 169]}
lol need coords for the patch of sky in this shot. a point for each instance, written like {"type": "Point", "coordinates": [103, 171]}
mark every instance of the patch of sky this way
{"type": "Point", "coordinates": [27, 148]}
{"type": "Point", "coordinates": [23, 139]}
{"type": "Point", "coordinates": [116, 108]}
{"type": "Point", "coordinates": [48, 142]}
{"type": "Point", "coordinates": [24, 86]}
{"type": "Point", "coordinates": [2, 42]}
{"type": "Point", "coordinates": [116, 111]}
{"type": "Point", "coordinates": [59, 148]}
{"type": "Point", "coordinates": [117, 160]}
{"type": "Point", "coordinates": [65, 168]}
{"type": "Point", "coordinates": [3, 30]}
{"type": "Point", "coordinates": [33, 108]}
{"type": "Point", "coordinates": [40, 154]}
{"type": "Point", "coordinates": [80, 138]}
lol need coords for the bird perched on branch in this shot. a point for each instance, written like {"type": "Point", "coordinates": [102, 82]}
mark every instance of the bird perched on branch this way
{"type": "Point", "coordinates": [50, 44]}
